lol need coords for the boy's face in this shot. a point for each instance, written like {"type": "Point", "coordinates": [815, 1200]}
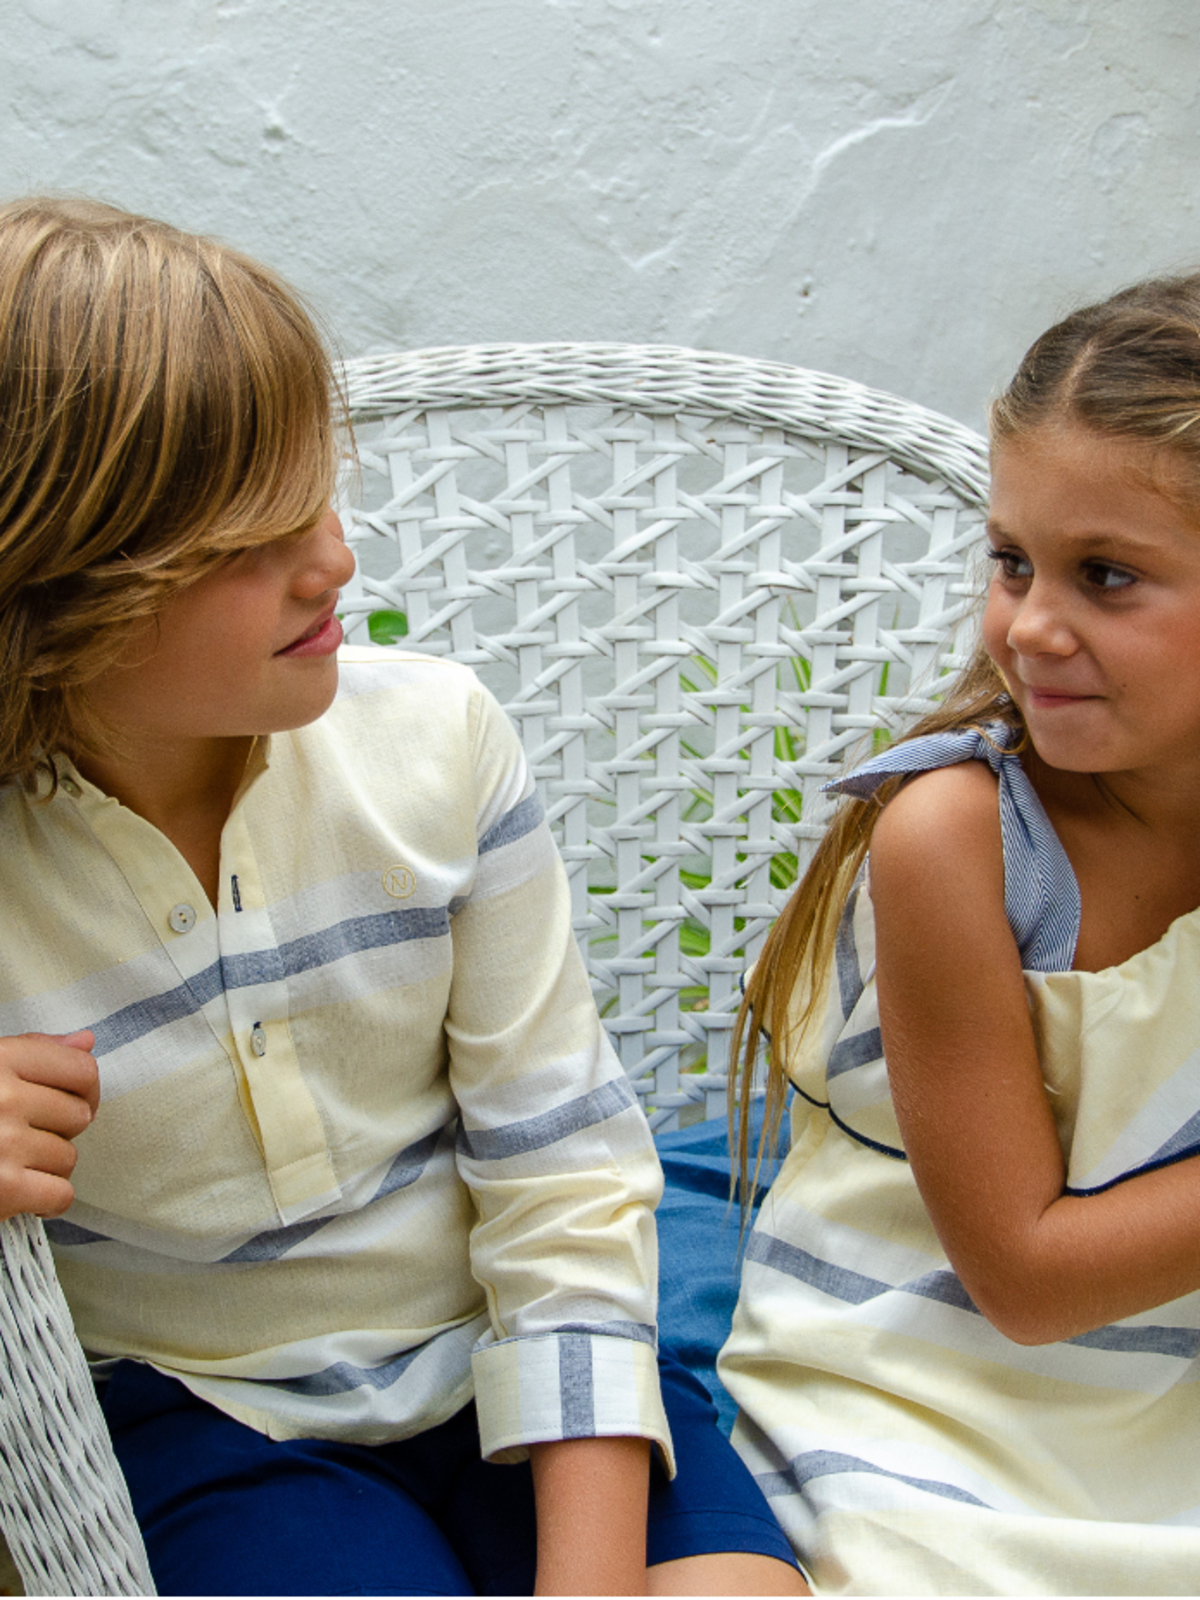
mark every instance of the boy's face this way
{"type": "Point", "coordinates": [250, 648]}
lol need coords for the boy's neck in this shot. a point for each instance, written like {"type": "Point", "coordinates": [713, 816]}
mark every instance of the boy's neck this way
{"type": "Point", "coordinates": [185, 790]}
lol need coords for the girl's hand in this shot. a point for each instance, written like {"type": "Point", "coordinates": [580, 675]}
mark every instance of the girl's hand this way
{"type": "Point", "coordinates": [49, 1093]}
{"type": "Point", "coordinates": [968, 1090]}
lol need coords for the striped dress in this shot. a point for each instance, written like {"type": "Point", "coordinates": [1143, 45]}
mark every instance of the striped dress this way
{"type": "Point", "coordinates": [905, 1444]}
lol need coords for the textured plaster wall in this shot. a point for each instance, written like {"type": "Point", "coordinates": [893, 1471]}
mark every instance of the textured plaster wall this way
{"type": "Point", "coordinates": [904, 191]}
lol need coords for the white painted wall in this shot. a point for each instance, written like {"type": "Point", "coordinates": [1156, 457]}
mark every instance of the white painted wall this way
{"type": "Point", "coordinates": [905, 191]}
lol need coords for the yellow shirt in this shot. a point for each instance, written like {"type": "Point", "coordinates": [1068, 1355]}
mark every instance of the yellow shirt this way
{"type": "Point", "coordinates": [363, 1148]}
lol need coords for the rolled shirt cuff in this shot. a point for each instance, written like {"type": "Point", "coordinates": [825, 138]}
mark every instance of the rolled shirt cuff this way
{"type": "Point", "coordinates": [567, 1385]}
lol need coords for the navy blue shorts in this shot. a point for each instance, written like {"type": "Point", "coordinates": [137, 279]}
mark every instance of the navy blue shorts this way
{"type": "Point", "coordinates": [226, 1511]}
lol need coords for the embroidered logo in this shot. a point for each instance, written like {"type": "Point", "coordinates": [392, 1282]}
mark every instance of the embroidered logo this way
{"type": "Point", "coordinates": [399, 882]}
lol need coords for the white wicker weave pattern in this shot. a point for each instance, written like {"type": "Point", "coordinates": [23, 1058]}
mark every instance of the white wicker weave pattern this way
{"type": "Point", "coordinates": [64, 1506]}
{"type": "Point", "coordinates": [697, 583]}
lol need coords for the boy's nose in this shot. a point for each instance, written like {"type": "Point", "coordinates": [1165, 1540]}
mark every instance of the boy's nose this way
{"type": "Point", "coordinates": [330, 561]}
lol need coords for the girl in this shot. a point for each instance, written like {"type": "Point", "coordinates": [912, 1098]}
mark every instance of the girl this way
{"type": "Point", "coordinates": [335, 1144]}
{"type": "Point", "coordinates": [965, 1350]}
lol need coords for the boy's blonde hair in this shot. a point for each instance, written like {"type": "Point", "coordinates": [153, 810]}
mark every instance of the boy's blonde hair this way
{"type": "Point", "coordinates": [164, 402]}
{"type": "Point", "coordinates": [1127, 369]}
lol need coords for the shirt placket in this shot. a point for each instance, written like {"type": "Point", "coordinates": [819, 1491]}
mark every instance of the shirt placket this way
{"type": "Point", "coordinates": [236, 972]}
{"type": "Point", "coordinates": [289, 1125]}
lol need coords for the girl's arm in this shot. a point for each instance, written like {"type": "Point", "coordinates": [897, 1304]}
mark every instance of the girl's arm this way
{"type": "Point", "coordinates": [969, 1094]}
{"type": "Point", "coordinates": [49, 1093]}
{"type": "Point", "coordinates": [591, 1515]}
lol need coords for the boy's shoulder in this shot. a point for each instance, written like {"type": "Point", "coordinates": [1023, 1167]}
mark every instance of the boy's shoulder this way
{"type": "Point", "coordinates": [387, 694]}
{"type": "Point", "coordinates": [395, 661]}
{"type": "Point", "coordinates": [403, 721]}
{"type": "Point", "coordinates": [368, 669]}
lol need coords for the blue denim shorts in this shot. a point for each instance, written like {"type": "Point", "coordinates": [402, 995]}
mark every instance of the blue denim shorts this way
{"type": "Point", "coordinates": [226, 1511]}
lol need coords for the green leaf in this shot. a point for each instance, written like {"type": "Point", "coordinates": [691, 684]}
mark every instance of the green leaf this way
{"type": "Point", "coordinates": [385, 627]}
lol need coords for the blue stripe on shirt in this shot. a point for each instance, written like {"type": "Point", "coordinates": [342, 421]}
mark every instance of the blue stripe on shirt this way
{"type": "Point", "coordinates": [523, 818]}
{"type": "Point", "coordinates": [311, 951]}
{"type": "Point", "coordinates": [535, 1133]}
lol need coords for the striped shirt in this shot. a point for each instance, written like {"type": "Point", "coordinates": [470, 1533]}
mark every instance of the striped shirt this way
{"type": "Point", "coordinates": [363, 1149]}
{"type": "Point", "coordinates": [905, 1444]}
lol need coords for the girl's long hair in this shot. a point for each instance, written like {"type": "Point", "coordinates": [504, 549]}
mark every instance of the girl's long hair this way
{"type": "Point", "coordinates": [1127, 369]}
{"type": "Point", "coordinates": [164, 402]}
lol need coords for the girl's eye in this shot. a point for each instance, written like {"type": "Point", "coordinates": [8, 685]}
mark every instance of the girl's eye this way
{"type": "Point", "coordinates": [1100, 575]}
{"type": "Point", "coordinates": [1010, 564]}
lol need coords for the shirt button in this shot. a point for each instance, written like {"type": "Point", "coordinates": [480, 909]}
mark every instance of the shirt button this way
{"type": "Point", "coordinates": [181, 918]}
{"type": "Point", "coordinates": [69, 786]}
{"type": "Point", "coordinates": [258, 1039]}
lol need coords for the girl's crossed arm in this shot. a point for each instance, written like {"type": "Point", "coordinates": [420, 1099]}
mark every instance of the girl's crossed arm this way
{"type": "Point", "coordinates": [969, 1095]}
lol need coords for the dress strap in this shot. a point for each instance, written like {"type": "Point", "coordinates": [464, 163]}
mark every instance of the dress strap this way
{"type": "Point", "coordinates": [1041, 894]}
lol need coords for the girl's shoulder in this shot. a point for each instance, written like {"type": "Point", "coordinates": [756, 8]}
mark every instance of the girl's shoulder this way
{"type": "Point", "coordinates": [945, 815]}
{"type": "Point", "coordinates": [994, 746]}
{"type": "Point", "coordinates": [966, 813]}
{"type": "Point", "coordinates": [941, 812]}
{"type": "Point", "coordinates": [941, 835]}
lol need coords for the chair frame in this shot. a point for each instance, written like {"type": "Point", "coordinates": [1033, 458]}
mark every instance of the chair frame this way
{"type": "Point", "coordinates": [697, 583]}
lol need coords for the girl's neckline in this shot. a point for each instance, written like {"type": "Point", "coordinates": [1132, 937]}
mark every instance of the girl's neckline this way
{"type": "Point", "coordinates": [1147, 950]}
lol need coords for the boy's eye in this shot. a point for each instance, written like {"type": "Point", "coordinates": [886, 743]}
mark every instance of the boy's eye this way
{"type": "Point", "coordinates": [1010, 564]}
{"type": "Point", "coordinates": [1101, 575]}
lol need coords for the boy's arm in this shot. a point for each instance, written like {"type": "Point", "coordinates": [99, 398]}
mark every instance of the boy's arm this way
{"type": "Point", "coordinates": [552, 1144]}
{"type": "Point", "coordinates": [591, 1515]}
{"type": "Point", "coordinates": [49, 1093]}
{"type": "Point", "coordinates": [968, 1090]}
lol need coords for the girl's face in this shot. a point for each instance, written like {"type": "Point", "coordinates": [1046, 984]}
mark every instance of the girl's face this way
{"type": "Point", "coordinates": [1093, 615]}
{"type": "Point", "coordinates": [247, 649]}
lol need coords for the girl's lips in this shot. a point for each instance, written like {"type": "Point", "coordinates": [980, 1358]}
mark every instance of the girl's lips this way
{"type": "Point", "coordinates": [321, 640]}
{"type": "Point", "coordinates": [1049, 698]}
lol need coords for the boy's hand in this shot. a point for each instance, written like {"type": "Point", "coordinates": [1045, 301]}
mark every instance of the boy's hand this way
{"type": "Point", "coordinates": [49, 1093]}
{"type": "Point", "coordinates": [591, 1515]}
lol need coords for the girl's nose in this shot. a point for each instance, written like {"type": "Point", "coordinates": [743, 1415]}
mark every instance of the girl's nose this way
{"type": "Point", "coordinates": [1040, 626]}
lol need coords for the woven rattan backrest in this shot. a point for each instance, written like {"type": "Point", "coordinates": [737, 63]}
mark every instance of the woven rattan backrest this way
{"type": "Point", "coordinates": [699, 585]}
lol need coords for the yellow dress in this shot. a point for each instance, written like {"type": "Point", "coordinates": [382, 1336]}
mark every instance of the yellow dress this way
{"type": "Point", "coordinates": [905, 1444]}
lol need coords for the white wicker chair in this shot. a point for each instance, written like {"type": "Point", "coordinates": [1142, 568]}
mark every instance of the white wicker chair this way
{"type": "Point", "coordinates": [698, 584]}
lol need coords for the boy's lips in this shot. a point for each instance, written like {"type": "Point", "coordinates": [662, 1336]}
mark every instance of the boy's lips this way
{"type": "Point", "coordinates": [320, 638]}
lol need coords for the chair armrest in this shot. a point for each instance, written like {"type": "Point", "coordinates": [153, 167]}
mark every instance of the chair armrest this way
{"type": "Point", "coordinates": [64, 1507]}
